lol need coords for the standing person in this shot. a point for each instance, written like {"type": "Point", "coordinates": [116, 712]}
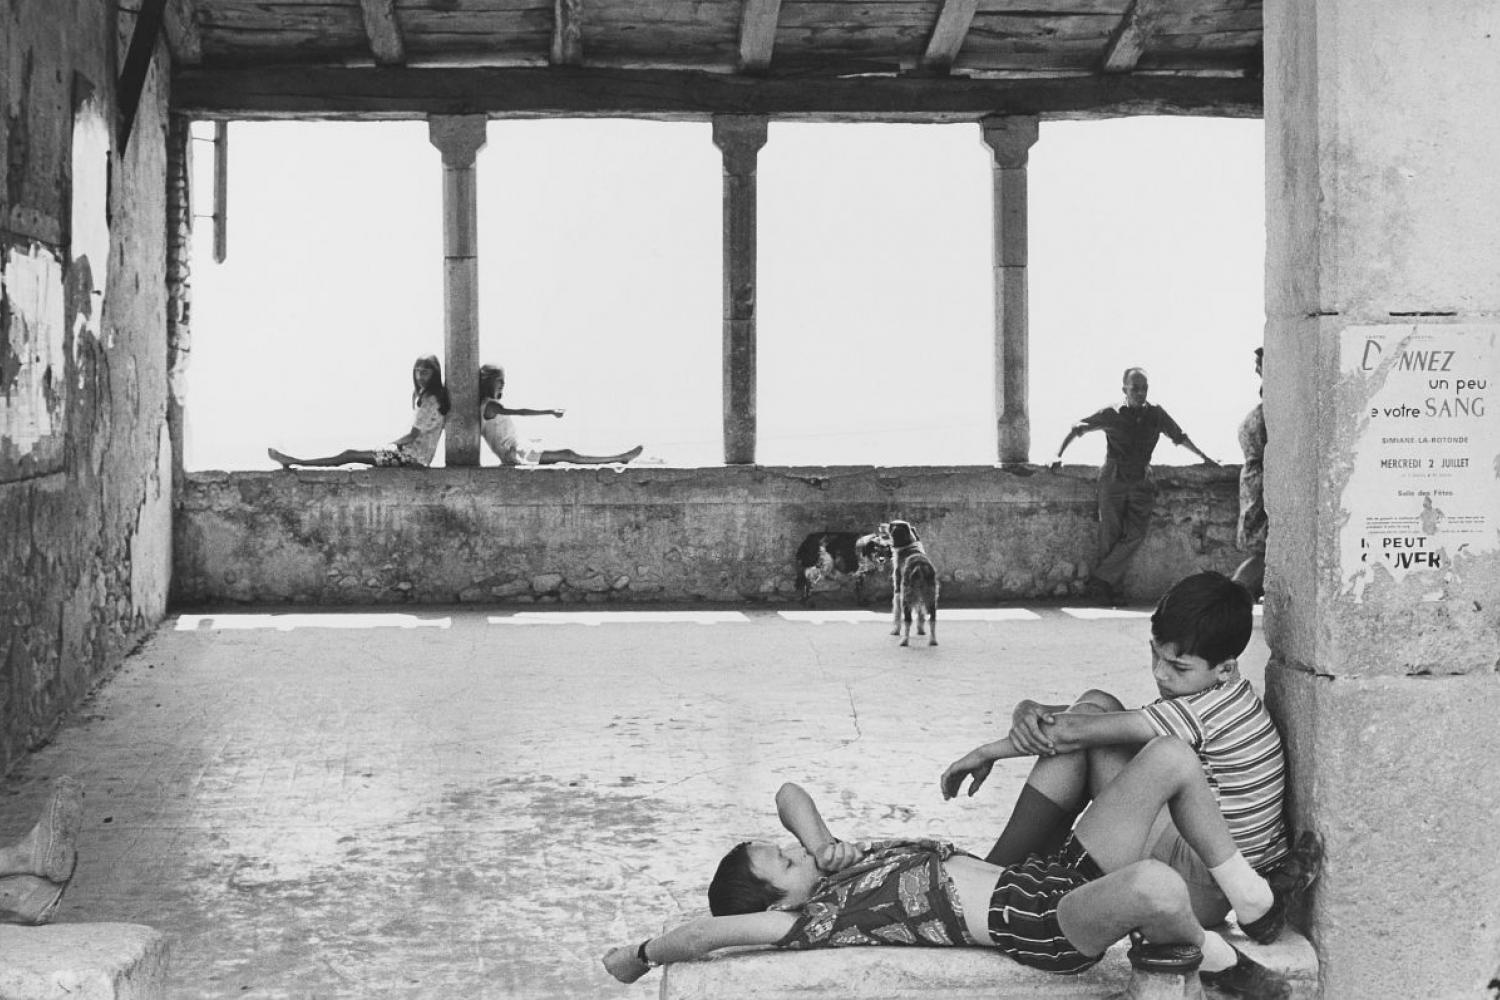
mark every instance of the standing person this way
{"type": "Point", "coordinates": [499, 430]}
{"type": "Point", "coordinates": [1126, 489]}
{"type": "Point", "coordinates": [1251, 536]}
{"type": "Point", "coordinates": [415, 448]}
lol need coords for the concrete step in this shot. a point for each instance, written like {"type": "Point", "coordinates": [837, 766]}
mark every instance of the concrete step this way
{"type": "Point", "coordinates": [101, 961]}
{"type": "Point", "coordinates": [907, 973]}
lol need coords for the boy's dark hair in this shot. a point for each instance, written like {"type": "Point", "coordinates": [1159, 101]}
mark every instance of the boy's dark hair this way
{"type": "Point", "coordinates": [1207, 615]}
{"type": "Point", "coordinates": [736, 889]}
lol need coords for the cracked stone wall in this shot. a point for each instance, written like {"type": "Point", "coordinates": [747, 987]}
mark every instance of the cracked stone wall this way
{"type": "Point", "coordinates": [85, 487]}
{"type": "Point", "coordinates": [522, 536]}
{"type": "Point", "coordinates": [1383, 600]}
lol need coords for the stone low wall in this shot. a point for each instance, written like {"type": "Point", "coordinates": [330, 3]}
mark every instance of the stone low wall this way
{"type": "Point", "coordinates": [654, 534]}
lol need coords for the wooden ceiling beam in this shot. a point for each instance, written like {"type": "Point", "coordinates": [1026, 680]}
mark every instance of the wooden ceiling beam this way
{"type": "Point", "coordinates": [758, 20]}
{"type": "Point", "coordinates": [948, 34]}
{"type": "Point", "coordinates": [567, 32]}
{"type": "Point", "coordinates": [534, 92]}
{"type": "Point", "coordinates": [383, 31]}
{"type": "Point", "coordinates": [1127, 43]}
{"type": "Point", "coordinates": [184, 40]}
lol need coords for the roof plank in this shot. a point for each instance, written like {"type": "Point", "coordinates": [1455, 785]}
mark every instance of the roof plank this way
{"type": "Point", "coordinates": [383, 31]}
{"type": "Point", "coordinates": [387, 93]}
{"type": "Point", "coordinates": [758, 34]}
{"type": "Point", "coordinates": [184, 40]}
{"type": "Point", "coordinates": [567, 32]}
{"type": "Point", "coordinates": [949, 33]}
{"type": "Point", "coordinates": [1128, 41]}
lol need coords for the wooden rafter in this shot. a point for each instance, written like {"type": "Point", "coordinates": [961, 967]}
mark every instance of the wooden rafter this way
{"type": "Point", "coordinates": [948, 34]}
{"type": "Point", "coordinates": [383, 31]}
{"type": "Point", "coordinates": [184, 40]}
{"type": "Point", "coordinates": [758, 21]}
{"type": "Point", "coordinates": [378, 93]}
{"type": "Point", "coordinates": [1127, 43]}
{"type": "Point", "coordinates": [143, 36]}
{"type": "Point", "coordinates": [567, 33]}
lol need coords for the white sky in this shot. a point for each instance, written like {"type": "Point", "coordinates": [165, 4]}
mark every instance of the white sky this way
{"type": "Point", "coordinates": [600, 286]}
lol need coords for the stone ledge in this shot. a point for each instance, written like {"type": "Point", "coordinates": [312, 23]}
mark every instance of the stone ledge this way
{"type": "Point", "coordinates": [908, 973]}
{"type": "Point", "coordinates": [99, 961]}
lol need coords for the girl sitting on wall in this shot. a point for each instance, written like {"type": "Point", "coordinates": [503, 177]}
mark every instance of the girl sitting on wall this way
{"type": "Point", "coordinates": [415, 448]}
{"type": "Point", "coordinates": [499, 430]}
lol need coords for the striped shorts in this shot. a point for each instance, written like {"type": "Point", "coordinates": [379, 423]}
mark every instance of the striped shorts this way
{"type": "Point", "coordinates": [1023, 908]}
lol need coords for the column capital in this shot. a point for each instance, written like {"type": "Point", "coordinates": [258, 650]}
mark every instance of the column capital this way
{"type": "Point", "coordinates": [458, 137]}
{"type": "Point", "coordinates": [1010, 138]}
{"type": "Point", "coordinates": [740, 138]}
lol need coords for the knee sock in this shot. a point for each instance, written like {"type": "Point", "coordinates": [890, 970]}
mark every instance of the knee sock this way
{"type": "Point", "coordinates": [1037, 825]}
{"type": "Point", "coordinates": [1247, 892]}
{"type": "Point", "coordinates": [1217, 953]}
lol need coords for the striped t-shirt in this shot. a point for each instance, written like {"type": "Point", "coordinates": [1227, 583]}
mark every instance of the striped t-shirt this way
{"type": "Point", "coordinates": [1242, 757]}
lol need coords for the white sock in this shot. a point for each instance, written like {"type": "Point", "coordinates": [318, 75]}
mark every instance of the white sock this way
{"type": "Point", "coordinates": [1247, 892]}
{"type": "Point", "coordinates": [1217, 954]}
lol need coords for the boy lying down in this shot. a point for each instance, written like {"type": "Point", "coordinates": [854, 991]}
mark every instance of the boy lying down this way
{"type": "Point", "coordinates": [1058, 913]}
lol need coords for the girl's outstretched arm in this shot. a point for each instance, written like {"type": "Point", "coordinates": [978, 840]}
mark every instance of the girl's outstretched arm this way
{"type": "Point", "coordinates": [695, 939]}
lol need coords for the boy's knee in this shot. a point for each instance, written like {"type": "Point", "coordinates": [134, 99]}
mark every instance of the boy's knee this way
{"type": "Point", "coordinates": [1171, 753]}
{"type": "Point", "coordinates": [1095, 700]}
{"type": "Point", "coordinates": [1159, 888]}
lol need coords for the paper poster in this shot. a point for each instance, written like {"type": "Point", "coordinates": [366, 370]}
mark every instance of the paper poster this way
{"type": "Point", "coordinates": [32, 362]}
{"type": "Point", "coordinates": [1424, 494]}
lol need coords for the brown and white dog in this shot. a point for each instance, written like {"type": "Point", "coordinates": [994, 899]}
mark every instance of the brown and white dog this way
{"type": "Point", "coordinates": [914, 583]}
{"type": "Point", "coordinates": [839, 556]}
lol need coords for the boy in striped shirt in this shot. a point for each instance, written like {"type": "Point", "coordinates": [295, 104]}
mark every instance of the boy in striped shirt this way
{"type": "Point", "coordinates": [1198, 630]}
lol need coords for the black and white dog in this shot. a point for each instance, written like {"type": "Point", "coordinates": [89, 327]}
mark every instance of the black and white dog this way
{"type": "Point", "coordinates": [839, 556]}
{"type": "Point", "coordinates": [914, 583]}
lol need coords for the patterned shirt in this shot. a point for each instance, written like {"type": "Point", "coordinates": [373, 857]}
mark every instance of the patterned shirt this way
{"type": "Point", "coordinates": [428, 421]}
{"type": "Point", "coordinates": [1241, 754]}
{"type": "Point", "coordinates": [1130, 435]}
{"type": "Point", "coordinates": [898, 893]}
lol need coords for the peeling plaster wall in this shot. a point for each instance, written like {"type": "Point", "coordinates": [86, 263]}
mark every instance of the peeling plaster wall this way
{"type": "Point", "coordinates": [1383, 221]}
{"type": "Point", "coordinates": [518, 536]}
{"type": "Point", "coordinates": [85, 522]}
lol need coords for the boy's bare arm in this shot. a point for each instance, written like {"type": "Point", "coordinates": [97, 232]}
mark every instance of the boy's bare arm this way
{"type": "Point", "coordinates": [975, 765]}
{"type": "Point", "coordinates": [1071, 731]}
{"type": "Point", "coordinates": [521, 411]}
{"type": "Point", "coordinates": [697, 938]}
{"type": "Point", "coordinates": [799, 814]}
{"type": "Point", "coordinates": [1027, 727]}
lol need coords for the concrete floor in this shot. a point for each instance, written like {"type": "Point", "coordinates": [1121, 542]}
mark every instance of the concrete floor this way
{"type": "Point", "coordinates": [455, 804]}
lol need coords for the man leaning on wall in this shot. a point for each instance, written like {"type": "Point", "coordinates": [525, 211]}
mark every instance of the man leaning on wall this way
{"type": "Point", "coordinates": [1127, 491]}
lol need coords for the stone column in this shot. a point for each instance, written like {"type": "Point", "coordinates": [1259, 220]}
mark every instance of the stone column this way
{"type": "Point", "coordinates": [179, 284]}
{"type": "Point", "coordinates": [739, 137]}
{"type": "Point", "coordinates": [1010, 139]}
{"type": "Point", "coordinates": [1383, 569]}
{"type": "Point", "coordinates": [459, 138]}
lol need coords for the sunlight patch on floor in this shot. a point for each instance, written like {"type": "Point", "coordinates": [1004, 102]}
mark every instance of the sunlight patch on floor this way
{"type": "Point", "coordinates": [596, 618]}
{"type": "Point", "coordinates": [834, 617]}
{"type": "Point", "coordinates": [286, 623]}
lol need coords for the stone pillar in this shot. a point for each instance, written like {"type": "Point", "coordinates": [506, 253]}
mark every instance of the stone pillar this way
{"type": "Point", "coordinates": [459, 138]}
{"type": "Point", "coordinates": [1383, 569]}
{"type": "Point", "coordinates": [179, 284]}
{"type": "Point", "coordinates": [1010, 139]}
{"type": "Point", "coordinates": [739, 137]}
